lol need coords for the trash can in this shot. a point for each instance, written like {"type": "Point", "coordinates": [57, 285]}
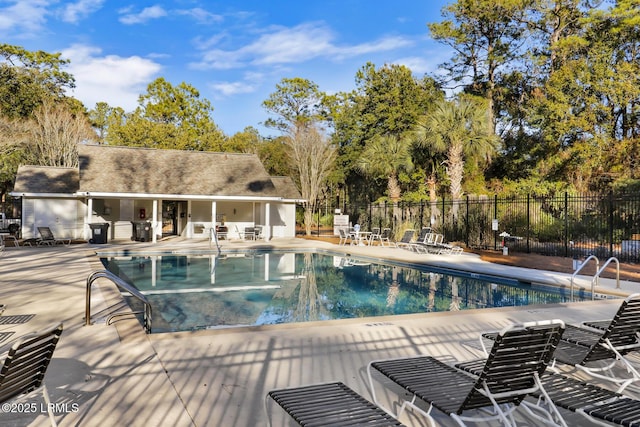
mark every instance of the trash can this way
{"type": "Point", "coordinates": [141, 231]}
{"type": "Point", "coordinates": [99, 232]}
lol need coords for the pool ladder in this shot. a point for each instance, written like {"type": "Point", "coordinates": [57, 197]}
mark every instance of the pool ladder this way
{"type": "Point", "coordinates": [596, 278]}
{"type": "Point", "coordinates": [122, 285]}
{"type": "Point", "coordinates": [214, 238]}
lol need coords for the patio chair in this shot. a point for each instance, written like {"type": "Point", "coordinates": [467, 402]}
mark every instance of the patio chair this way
{"type": "Point", "coordinates": [25, 365]}
{"type": "Point", "coordinates": [345, 237]}
{"type": "Point", "coordinates": [606, 348]}
{"type": "Point", "coordinates": [47, 237]}
{"type": "Point", "coordinates": [591, 401]}
{"type": "Point", "coordinates": [430, 244]}
{"type": "Point", "coordinates": [375, 234]}
{"type": "Point", "coordinates": [424, 232]}
{"type": "Point", "coordinates": [329, 404]}
{"type": "Point", "coordinates": [406, 240]}
{"type": "Point", "coordinates": [512, 370]}
{"type": "Point", "coordinates": [597, 353]}
{"type": "Point", "coordinates": [385, 237]}
{"type": "Point", "coordinates": [577, 396]}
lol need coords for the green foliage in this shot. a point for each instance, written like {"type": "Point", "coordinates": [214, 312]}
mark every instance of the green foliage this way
{"type": "Point", "coordinates": [167, 116]}
{"type": "Point", "coordinates": [28, 78]}
{"type": "Point", "coordinates": [295, 102]}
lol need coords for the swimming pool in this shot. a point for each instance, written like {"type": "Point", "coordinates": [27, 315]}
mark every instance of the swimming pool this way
{"type": "Point", "coordinates": [191, 292]}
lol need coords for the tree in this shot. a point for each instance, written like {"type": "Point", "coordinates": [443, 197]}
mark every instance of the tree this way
{"type": "Point", "coordinates": [299, 110]}
{"type": "Point", "coordinates": [385, 157]}
{"type": "Point", "coordinates": [486, 36]}
{"type": "Point", "coordinates": [56, 133]}
{"type": "Point", "coordinates": [312, 155]}
{"type": "Point", "coordinates": [167, 116]}
{"type": "Point", "coordinates": [460, 130]}
{"type": "Point", "coordinates": [295, 103]}
{"type": "Point", "coordinates": [387, 102]}
{"type": "Point", "coordinates": [14, 140]}
{"type": "Point", "coordinates": [99, 118]}
{"type": "Point", "coordinates": [28, 78]}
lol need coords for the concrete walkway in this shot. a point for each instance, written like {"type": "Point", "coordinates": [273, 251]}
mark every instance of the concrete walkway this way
{"type": "Point", "coordinates": [113, 375]}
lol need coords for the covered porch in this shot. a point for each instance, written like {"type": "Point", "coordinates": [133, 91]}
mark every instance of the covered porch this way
{"type": "Point", "coordinates": [190, 218]}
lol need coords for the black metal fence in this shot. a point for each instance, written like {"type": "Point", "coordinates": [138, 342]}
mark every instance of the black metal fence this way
{"type": "Point", "coordinates": [565, 225]}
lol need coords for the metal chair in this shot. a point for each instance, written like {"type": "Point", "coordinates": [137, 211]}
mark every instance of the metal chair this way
{"type": "Point", "coordinates": [24, 368]}
{"type": "Point", "coordinates": [329, 404]}
{"type": "Point", "coordinates": [512, 370]}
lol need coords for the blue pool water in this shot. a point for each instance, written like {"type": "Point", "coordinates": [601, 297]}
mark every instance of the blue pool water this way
{"type": "Point", "coordinates": [258, 288]}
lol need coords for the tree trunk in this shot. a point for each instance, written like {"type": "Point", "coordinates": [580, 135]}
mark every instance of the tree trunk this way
{"type": "Point", "coordinates": [456, 173]}
{"type": "Point", "coordinates": [394, 188]}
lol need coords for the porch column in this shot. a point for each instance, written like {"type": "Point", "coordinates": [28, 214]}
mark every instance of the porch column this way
{"type": "Point", "coordinates": [189, 224]}
{"type": "Point", "coordinates": [267, 221]}
{"type": "Point", "coordinates": [85, 229]}
{"type": "Point", "coordinates": [154, 222]}
{"type": "Point", "coordinates": [214, 215]}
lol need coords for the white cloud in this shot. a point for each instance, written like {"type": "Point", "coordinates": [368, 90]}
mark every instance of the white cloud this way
{"type": "Point", "coordinates": [113, 79]}
{"type": "Point", "coordinates": [74, 12]}
{"type": "Point", "coordinates": [293, 45]}
{"type": "Point", "coordinates": [24, 16]}
{"type": "Point", "coordinates": [250, 82]}
{"type": "Point", "coordinates": [148, 13]}
{"type": "Point", "coordinates": [232, 88]}
{"type": "Point", "coordinates": [417, 64]}
{"type": "Point", "coordinates": [200, 15]}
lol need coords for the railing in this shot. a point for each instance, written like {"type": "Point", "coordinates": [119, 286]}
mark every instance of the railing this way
{"type": "Point", "coordinates": [595, 281]}
{"type": "Point", "coordinates": [214, 239]}
{"type": "Point", "coordinates": [597, 276]}
{"type": "Point", "coordinates": [122, 285]}
{"type": "Point", "coordinates": [575, 273]}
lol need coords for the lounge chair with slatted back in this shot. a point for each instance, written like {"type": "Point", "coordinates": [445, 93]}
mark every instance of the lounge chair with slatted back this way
{"type": "Point", "coordinates": [407, 239]}
{"type": "Point", "coordinates": [598, 352]}
{"type": "Point", "coordinates": [25, 365]}
{"type": "Point", "coordinates": [591, 400]}
{"type": "Point", "coordinates": [47, 237]}
{"type": "Point", "coordinates": [329, 404]}
{"type": "Point", "coordinates": [512, 370]}
{"type": "Point", "coordinates": [577, 396]}
{"type": "Point", "coordinates": [385, 237]}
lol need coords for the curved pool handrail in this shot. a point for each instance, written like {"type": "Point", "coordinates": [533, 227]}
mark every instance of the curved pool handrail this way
{"type": "Point", "coordinates": [575, 273]}
{"type": "Point", "coordinates": [122, 285]}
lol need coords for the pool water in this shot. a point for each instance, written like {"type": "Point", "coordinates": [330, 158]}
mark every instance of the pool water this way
{"type": "Point", "coordinates": [259, 288]}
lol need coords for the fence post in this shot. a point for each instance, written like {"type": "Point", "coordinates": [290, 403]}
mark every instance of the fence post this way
{"type": "Point", "coordinates": [528, 223]}
{"type": "Point", "coordinates": [495, 216]}
{"type": "Point", "coordinates": [442, 214]}
{"type": "Point", "coordinates": [566, 224]}
{"type": "Point", "coordinates": [610, 223]}
{"type": "Point", "coordinates": [466, 225]}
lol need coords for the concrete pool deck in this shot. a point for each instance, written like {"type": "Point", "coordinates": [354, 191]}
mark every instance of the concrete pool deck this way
{"type": "Point", "coordinates": [107, 375]}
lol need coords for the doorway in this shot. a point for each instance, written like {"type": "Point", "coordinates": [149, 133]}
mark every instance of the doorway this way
{"type": "Point", "coordinates": [174, 215]}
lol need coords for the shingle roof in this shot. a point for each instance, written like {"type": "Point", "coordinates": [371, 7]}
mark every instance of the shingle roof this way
{"type": "Point", "coordinates": [285, 187]}
{"type": "Point", "coordinates": [46, 179]}
{"type": "Point", "coordinates": [130, 170]}
{"type": "Point", "coordinates": [149, 171]}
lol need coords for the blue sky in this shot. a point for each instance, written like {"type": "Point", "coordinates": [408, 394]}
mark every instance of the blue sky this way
{"type": "Point", "coordinates": [233, 52]}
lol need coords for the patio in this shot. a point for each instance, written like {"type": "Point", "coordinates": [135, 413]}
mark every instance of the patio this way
{"type": "Point", "coordinates": [117, 375]}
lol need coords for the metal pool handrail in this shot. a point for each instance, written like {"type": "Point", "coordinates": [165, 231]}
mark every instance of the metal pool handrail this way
{"type": "Point", "coordinates": [575, 273]}
{"type": "Point", "coordinates": [122, 285]}
{"type": "Point", "coordinates": [614, 259]}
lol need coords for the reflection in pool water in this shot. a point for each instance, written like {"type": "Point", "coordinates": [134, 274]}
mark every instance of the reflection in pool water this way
{"type": "Point", "coordinates": [258, 288]}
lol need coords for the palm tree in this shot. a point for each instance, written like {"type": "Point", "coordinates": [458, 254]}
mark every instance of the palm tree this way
{"type": "Point", "coordinates": [458, 129]}
{"type": "Point", "coordinates": [385, 156]}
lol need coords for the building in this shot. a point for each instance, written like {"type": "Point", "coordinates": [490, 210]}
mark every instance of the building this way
{"type": "Point", "coordinates": [178, 192]}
